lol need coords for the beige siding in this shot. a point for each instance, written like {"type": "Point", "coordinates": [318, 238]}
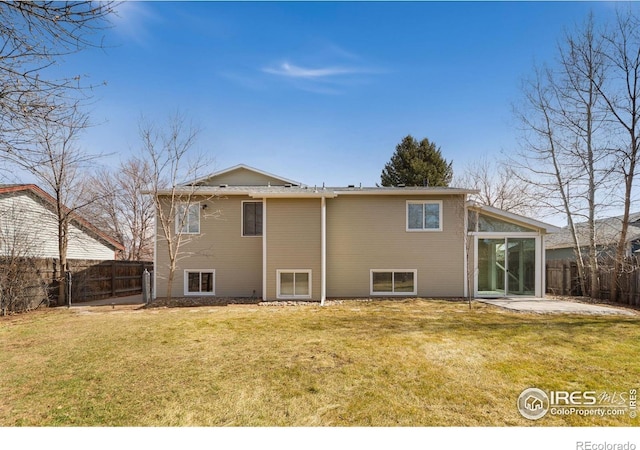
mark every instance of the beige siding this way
{"type": "Point", "coordinates": [369, 232]}
{"type": "Point", "coordinates": [363, 233]}
{"type": "Point", "coordinates": [293, 240]}
{"type": "Point", "coordinates": [244, 177]}
{"type": "Point", "coordinates": [220, 246]}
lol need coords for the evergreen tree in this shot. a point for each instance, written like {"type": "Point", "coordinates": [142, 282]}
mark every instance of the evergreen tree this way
{"type": "Point", "coordinates": [417, 164]}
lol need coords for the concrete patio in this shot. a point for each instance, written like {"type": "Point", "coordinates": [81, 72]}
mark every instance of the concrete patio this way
{"type": "Point", "coordinates": [551, 306]}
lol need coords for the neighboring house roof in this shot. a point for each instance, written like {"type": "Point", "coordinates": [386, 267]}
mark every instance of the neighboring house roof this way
{"type": "Point", "coordinates": [526, 221]}
{"type": "Point", "coordinates": [607, 232]}
{"type": "Point", "coordinates": [49, 201]}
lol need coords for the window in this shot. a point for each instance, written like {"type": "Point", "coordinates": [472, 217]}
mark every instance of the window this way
{"type": "Point", "coordinates": [188, 222]}
{"type": "Point", "coordinates": [199, 282]}
{"type": "Point", "coordinates": [252, 218]}
{"type": "Point", "coordinates": [294, 284]}
{"type": "Point", "coordinates": [424, 215]}
{"type": "Point", "coordinates": [485, 223]}
{"type": "Point", "coordinates": [394, 282]}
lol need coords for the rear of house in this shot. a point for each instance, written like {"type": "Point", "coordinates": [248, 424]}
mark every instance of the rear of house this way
{"type": "Point", "coordinates": [258, 235]}
{"type": "Point", "coordinates": [398, 241]}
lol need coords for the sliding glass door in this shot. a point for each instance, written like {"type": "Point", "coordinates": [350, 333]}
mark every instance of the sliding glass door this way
{"type": "Point", "coordinates": [506, 266]}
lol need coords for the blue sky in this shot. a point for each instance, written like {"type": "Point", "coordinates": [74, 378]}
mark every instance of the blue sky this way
{"type": "Point", "coordinates": [322, 92]}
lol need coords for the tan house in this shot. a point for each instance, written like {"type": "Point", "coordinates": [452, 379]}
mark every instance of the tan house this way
{"type": "Point", "coordinates": [273, 238]}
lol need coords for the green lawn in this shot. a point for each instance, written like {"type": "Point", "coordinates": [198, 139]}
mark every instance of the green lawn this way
{"type": "Point", "coordinates": [382, 363]}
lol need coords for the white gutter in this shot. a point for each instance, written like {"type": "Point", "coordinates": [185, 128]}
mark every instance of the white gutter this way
{"type": "Point", "coordinates": [291, 194]}
{"type": "Point", "coordinates": [323, 246]}
{"type": "Point", "coordinates": [297, 192]}
{"type": "Point", "coordinates": [405, 191]}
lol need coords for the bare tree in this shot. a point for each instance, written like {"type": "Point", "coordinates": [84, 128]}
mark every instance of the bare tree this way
{"type": "Point", "coordinates": [550, 170]}
{"type": "Point", "coordinates": [170, 153]}
{"type": "Point", "coordinates": [583, 72]}
{"type": "Point", "coordinates": [498, 186]}
{"type": "Point", "coordinates": [33, 37]}
{"type": "Point", "coordinates": [120, 207]}
{"type": "Point", "coordinates": [622, 98]}
{"type": "Point", "coordinates": [57, 163]}
{"type": "Point", "coordinates": [566, 147]}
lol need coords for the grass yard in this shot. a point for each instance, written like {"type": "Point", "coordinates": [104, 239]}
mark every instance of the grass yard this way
{"type": "Point", "coordinates": [381, 363]}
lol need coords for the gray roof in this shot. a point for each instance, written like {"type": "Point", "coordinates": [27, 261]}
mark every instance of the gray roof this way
{"type": "Point", "coordinates": [607, 232]}
{"type": "Point", "coordinates": [313, 191]}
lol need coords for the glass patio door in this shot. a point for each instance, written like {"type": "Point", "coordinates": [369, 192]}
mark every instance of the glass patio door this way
{"type": "Point", "coordinates": [506, 266]}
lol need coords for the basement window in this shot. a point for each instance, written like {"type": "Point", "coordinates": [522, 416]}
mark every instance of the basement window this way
{"type": "Point", "coordinates": [199, 282]}
{"type": "Point", "coordinates": [394, 282]}
{"type": "Point", "coordinates": [294, 284]}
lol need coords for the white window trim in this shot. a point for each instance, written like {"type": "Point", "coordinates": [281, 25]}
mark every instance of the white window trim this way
{"type": "Point", "coordinates": [198, 294]}
{"type": "Point", "coordinates": [177, 219]}
{"type": "Point", "coordinates": [415, 282]}
{"type": "Point", "coordinates": [294, 271]}
{"type": "Point", "coordinates": [423, 202]}
{"type": "Point", "coordinates": [242, 219]}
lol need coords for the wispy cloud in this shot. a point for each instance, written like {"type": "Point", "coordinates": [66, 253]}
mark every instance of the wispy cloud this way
{"type": "Point", "coordinates": [131, 20]}
{"type": "Point", "coordinates": [291, 70]}
{"type": "Point", "coordinates": [331, 79]}
{"type": "Point", "coordinates": [321, 68]}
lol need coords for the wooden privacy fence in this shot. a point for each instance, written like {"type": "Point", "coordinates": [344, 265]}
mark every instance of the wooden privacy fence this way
{"type": "Point", "coordinates": [26, 283]}
{"type": "Point", "coordinates": [22, 285]}
{"type": "Point", "coordinates": [104, 279]}
{"type": "Point", "coordinates": [562, 279]}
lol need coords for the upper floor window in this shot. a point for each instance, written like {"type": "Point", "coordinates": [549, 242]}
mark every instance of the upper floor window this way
{"type": "Point", "coordinates": [481, 222]}
{"type": "Point", "coordinates": [188, 218]}
{"type": "Point", "coordinates": [252, 218]}
{"type": "Point", "coordinates": [424, 215]}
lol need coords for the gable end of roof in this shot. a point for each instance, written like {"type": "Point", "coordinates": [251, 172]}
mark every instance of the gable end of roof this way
{"type": "Point", "coordinates": [42, 196]}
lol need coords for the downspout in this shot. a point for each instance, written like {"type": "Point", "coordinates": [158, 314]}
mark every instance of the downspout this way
{"type": "Point", "coordinates": [155, 253]}
{"type": "Point", "coordinates": [543, 266]}
{"type": "Point", "coordinates": [465, 239]}
{"type": "Point", "coordinates": [323, 253]}
{"type": "Point", "coordinates": [264, 249]}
